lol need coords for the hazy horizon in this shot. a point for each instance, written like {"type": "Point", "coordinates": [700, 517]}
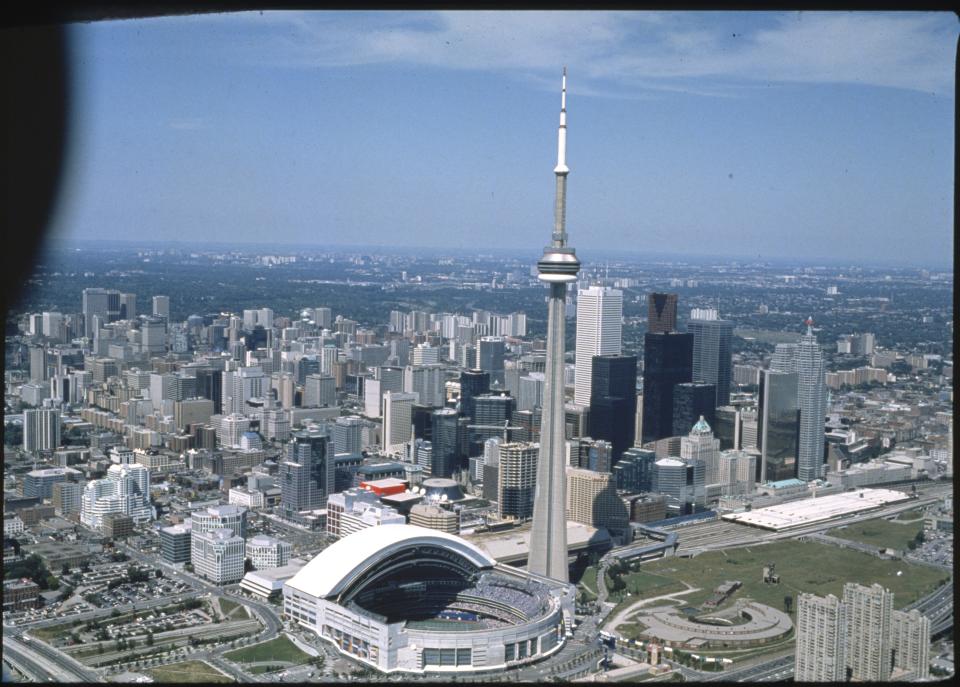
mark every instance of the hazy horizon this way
{"type": "Point", "coordinates": [794, 135]}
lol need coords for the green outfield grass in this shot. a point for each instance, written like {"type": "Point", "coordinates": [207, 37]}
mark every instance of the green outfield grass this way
{"type": "Point", "coordinates": [279, 649]}
{"type": "Point", "coordinates": [880, 533]}
{"type": "Point", "coordinates": [188, 671]}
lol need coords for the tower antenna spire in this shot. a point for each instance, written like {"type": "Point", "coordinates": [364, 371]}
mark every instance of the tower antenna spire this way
{"type": "Point", "coordinates": [558, 267]}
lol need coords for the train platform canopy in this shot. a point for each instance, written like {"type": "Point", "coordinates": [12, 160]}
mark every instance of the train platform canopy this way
{"type": "Point", "coordinates": [793, 514]}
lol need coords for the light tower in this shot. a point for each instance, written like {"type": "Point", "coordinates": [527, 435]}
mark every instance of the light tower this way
{"type": "Point", "coordinates": [557, 267]}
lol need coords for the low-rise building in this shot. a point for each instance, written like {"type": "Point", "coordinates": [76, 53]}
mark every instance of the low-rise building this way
{"type": "Point", "coordinates": [268, 552]}
{"type": "Point", "coordinates": [20, 594]}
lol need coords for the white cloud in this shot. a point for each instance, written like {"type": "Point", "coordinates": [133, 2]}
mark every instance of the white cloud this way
{"type": "Point", "coordinates": [616, 52]}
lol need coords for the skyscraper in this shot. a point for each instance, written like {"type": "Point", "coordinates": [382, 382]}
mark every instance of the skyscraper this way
{"type": "Point", "coordinates": [613, 403]}
{"type": "Point", "coordinates": [712, 358]}
{"type": "Point", "coordinates": [445, 442]}
{"type": "Point", "coordinates": [517, 474]}
{"type": "Point", "coordinates": [701, 445]}
{"type": "Point", "coordinates": [599, 332]}
{"type": "Point", "coordinates": [490, 351]}
{"type": "Point", "coordinates": [812, 399]}
{"type": "Point", "coordinates": [662, 312]}
{"type": "Point", "coordinates": [869, 612]}
{"type": "Point", "coordinates": [307, 473]}
{"type": "Point", "coordinates": [667, 361]}
{"type": "Point", "coordinates": [779, 426]}
{"type": "Point", "coordinates": [397, 421]}
{"type": "Point", "coordinates": [161, 306]}
{"type": "Point", "coordinates": [472, 384]}
{"type": "Point", "coordinates": [821, 639]}
{"type": "Point", "coordinates": [557, 267]}
{"type": "Point", "coordinates": [691, 401]}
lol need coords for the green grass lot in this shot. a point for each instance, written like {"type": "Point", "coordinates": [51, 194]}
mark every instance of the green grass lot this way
{"type": "Point", "coordinates": [911, 514]}
{"type": "Point", "coordinates": [279, 649]}
{"type": "Point", "coordinates": [880, 533]}
{"type": "Point", "coordinates": [588, 583]}
{"type": "Point", "coordinates": [228, 606]}
{"type": "Point", "coordinates": [53, 631]}
{"type": "Point", "coordinates": [803, 567]}
{"type": "Point", "coordinates": [257, 670]}
{"type": "Point", "coordinates": [188, 671]}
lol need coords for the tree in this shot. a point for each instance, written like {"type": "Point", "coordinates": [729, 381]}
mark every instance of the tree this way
{"type": "Point", "coordinates": [787, 603]}
{"type": "Point", "coordinates": [65, 570]}
{"type": "Point", "coordinates": [150, 639]}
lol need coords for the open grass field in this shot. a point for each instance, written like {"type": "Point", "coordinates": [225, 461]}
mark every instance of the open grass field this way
{"type": "Point", "coordinates": [803, 567]}
{"type": "Point", "coordinates": [228, 606]}
{"type": "Point", "coordinates": [196, 672]}
{"type": "Point", "coordinates": [588, 583]}
{"type": "Point", "coordinates": [54, 631]}
{"type": "Point", "coordinates": [279, 649]}
{"type": "Point", "coordinates": [880, 533]}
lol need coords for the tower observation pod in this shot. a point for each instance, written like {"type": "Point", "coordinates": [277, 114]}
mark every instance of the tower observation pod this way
{"type": "Point", "coordinates": [557, 267]}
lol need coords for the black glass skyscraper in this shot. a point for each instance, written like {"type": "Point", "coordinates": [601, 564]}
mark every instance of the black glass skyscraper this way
{"type": "Point", "coordinates": [712, 357]}
{"type": "Point", "coordinates": [690, 401]}
{"type": "Point", "coordinates": [210, 385]}
{"type": "Point", "coordinates": [667, 361]}
{"type": "Point", "coordinates": [473, 383]}
{"type": "Point", "coordinates": [446, 443]}
{"type": "Point", "coordinates": [613, 401]}
{"type": "Point", "coordinates": [779, 425]}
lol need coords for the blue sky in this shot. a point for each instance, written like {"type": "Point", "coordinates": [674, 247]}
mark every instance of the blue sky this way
{"type": "Point", "coordinates": [770, 134]}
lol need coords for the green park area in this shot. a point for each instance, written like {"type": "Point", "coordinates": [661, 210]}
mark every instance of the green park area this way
{"type": "Point", "coordinates": [280, 649]}
{"type": "Point", "coordinates": [802, 566]}
{"type": "Point", "coordinates": [880, 533]}
{"type": "Point", "coordinates": [196, 672]}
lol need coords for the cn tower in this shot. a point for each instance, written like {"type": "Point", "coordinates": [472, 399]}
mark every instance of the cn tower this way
{"type": "Point", "coordinates": [557, 267]}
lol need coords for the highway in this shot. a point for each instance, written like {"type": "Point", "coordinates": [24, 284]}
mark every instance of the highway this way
{"type": "Point", "coordinates": [43, 663]}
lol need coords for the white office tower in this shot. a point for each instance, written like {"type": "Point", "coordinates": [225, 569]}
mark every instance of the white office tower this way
{"type": "Point", "coordinates": [427, 382]}
{"type": "Point", "coordinates": [599, 332]}
{"type": "Point", "coordinates": [50, 324]}
{"type": "Point", "coordinates": [784, 358]}
{"type": "Point", "coordinates": [153, 336]}
{"type": "Point", "coordinates": [737, 472]}
{"type": "Point", "coordinates": [319, 391]}
{"type": "Point", "coordinates": [530, 394]}
{"type": "Point", "coordinates": [812, 399]}
{"type": "Point", "coordinates": [268, 552]}
{"type": "Point", "coordinates": [41, 429]}
{"type": "Point", "coordinates": [397, 421]}
{"type": "Point", "coordinates": [372, 396]}
{"type": "Point", "coordinates": [821, 639]}
{"type": "Point", "coordinates": [557, 267]}
{"type": "Point", "coordinates": [161, 307]}
{"type": "Point", "coordinates": [700, 444]}
{"type": "Point", "coordinates": [910, 643]}
{"type": "Point", "coordinates": [241, 385]}
{"type": "Point", "coordinates": [125, 490]}
{"type": "Point", "coordinates": [232, 428]}
{"type": "Point", "coordinates": [425, 354]}
{"type": "Point", "coordinates": [348, 435]}
{"type": "Point", "coordinates": [868, 616]}
{"type": "Point", "coordinates": [328, 356]}
{"type": "Point", "coordinates": [218, 555]}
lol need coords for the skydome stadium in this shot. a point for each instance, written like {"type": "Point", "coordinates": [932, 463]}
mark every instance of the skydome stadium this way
{"type": "Point", "coordinates": [407, 598]}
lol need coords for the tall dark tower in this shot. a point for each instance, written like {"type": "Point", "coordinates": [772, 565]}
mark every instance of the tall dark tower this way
{"type": "Point", "coordinates": [667, 361]}
{"type": "Point", "coordinates": [558, 267]}
{"type": "Point", "coordinates": [613, 401]}
{"type": "Point", "coordinates": [662, 312]}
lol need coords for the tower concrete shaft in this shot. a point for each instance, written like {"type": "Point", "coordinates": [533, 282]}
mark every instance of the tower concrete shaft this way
{"type": "Point", "coordinates": [557, 267]}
